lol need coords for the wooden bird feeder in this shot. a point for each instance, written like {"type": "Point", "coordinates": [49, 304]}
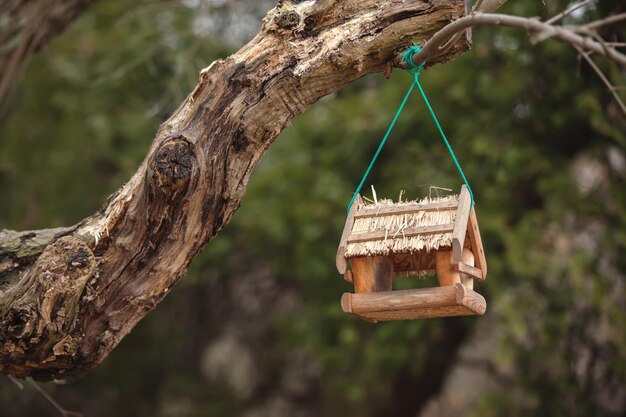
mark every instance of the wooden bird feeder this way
{"type": "Point", "coordinates": [386, 239]}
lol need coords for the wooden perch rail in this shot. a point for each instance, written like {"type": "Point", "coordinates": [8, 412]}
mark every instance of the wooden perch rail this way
{"type": "Point", "coordinates": [454, 300]}
{"type": "Point", "coordinates": [69, 299]}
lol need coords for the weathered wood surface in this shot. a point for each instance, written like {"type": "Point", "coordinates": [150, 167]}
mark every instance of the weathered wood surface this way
{"type": "Point", "coordinates": [469, 270]}
{"type": "Point", "coordinates": [460, 224]}
{"type": "Point", "coordinates": [477, 243]}
{"type": "Point", "coordinates": [466, 264]}
{"type": "Point", "coordinates": [20, 249]}
{"type": "Point", "coordinates": [450, 273]}
{"type": "Point", "coordinates": [193, 178]}
{"type": "Point", "coordinates": [447, 301]}
{"type": "Point", "coordinates": [340, 260]}
{"type": "Point", "coordinates": [406, 232]}
{"type": "Point", "coordinates": [399, 210]}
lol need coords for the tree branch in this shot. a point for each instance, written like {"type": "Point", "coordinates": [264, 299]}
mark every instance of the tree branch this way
{"type": "Point", "coordinates": [605, 80]}
{"type": "Point", "coordinates": [68, 296]}
{"type": "Point", "coordinates": [488, 6]}
{"type": "Point", "coordinates": [583, 38]}
{"type": "Point", "coordinates": [611, 20]}
{"type": "Point", "coordinates": [568, 12]}
{"type": "Point", "coordinates": [563, 34]}
{"type": "Point", "coordinates": [62, 411]}
{"type": "Point", "coordinates": [73, 303]}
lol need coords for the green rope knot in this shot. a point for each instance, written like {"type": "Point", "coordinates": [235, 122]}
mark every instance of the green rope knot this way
{"type": "Point", "coordinates": [415, 71]}
{"type": "Point", "coordinates": [408, 58]}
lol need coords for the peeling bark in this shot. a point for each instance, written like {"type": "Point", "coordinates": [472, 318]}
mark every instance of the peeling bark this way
{"type": "Point", "coordinates": [39, 314]}
{"type": "Point", "coordinates": [63, 311]}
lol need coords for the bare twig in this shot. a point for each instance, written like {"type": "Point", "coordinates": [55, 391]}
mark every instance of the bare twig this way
{"type": "Point", "coordinates": [56, 405]}
{"type": "Point", "coordinates": [489, 6]}
{"type": "Point", "coordinates": [605, 80]}
{"type": "Point", "coordinates": [567, 12]}
{"type": "Point", "coordinates": [583, 38]}
{"type": "Point", "coordinates": [450, 43]}
{"type": "Point", "coordinates": [606, 21]}
{"type": "Point", "coordinates": [477, 6]}
{"type": "Point", "coordinates": [563, 34]}
{"type": "Point", "coordinates": [16, 382]}
{"type": "Point", "coordinates": [597, 37]}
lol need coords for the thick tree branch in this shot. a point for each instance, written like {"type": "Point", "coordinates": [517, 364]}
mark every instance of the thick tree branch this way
{"type": "Point", "coordinates": [65, 310]}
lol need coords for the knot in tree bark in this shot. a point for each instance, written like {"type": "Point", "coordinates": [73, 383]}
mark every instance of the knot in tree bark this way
{"type": "Point", "coordinates": [288, 19]}
{"type": "Point", "coordinates": [173, 164]}
{"type": "Point", "coordinates": [175, 159]}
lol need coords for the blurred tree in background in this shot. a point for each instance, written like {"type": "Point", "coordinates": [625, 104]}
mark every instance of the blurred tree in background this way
{"type": "Point", "coordinates": [255, 329]}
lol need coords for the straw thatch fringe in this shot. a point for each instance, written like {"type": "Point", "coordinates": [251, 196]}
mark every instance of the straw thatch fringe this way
{"type": "Point", "coordinates": [393, 225]}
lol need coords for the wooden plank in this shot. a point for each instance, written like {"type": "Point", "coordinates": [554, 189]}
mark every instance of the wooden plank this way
{"type": "Point", "coordinates": [468, 270]}
{"type": "Point", "coordinates": [443, 267]}
{"type": "Point", "coordinates": [403, 300]}
{"type": "Point", "coordinates": [477, 244]}
{"type": "Point", "coordinates": [406, 232]}
{"type": "Point", "coordinates": [460, 224]}
{"type": "Point", "coordinates": [400, 210]}
{"type": "Point", "coordinates": [426, 313]}
{"type": "Point", "coordinates": [340, 258]}
{"type": "Point", "coordinates": [417, 303]}
{"type": "Point", "coordinates": [467, 258]}
{"type": "Point", "coordinates": [372, 274]}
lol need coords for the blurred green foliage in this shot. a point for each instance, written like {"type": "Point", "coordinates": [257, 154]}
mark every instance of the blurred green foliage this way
{"type": "Point", "coordinates": [541, 142]}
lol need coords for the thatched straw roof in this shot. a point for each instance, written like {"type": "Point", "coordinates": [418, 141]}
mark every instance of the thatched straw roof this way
{"type": "Point", "coordinates": [387, 227]}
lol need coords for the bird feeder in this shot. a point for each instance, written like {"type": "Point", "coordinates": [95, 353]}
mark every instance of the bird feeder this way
{"type": "Point", "coordinates": [384, 240]}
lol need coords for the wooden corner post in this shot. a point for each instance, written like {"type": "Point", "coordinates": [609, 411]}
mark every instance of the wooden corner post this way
{"type": "Point", "coordinates": [460, 224]}
{"type": "Point", "coordinates": [340, 258]}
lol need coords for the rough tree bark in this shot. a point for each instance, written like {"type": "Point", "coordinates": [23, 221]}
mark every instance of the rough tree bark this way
{"type": "Point", "coordinates": [68, 296]}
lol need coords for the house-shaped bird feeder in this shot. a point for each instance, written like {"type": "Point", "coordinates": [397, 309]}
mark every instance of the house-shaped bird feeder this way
{"type": "Point", "coordinates": [385, 240]}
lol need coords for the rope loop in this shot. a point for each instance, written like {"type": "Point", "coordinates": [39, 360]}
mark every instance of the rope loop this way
{"type": "Point", "coordinates": [415, 71]}
{"type": "Point", "coordinates": [408, 58]}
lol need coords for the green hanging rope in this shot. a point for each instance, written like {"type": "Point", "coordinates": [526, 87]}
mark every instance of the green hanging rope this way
{"type": "Point", "coordinates": [408, 58]}
{"type": "Point", "coordinates": [382, 143]}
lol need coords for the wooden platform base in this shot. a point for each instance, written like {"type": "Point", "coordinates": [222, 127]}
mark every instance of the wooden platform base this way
{"type": "Point", "coordinates": [456, 300]}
